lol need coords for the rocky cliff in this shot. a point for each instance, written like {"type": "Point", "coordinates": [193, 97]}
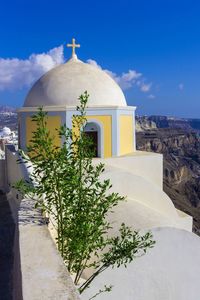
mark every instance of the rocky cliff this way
{"type": "Point", "coordinates": [171, 122]}
{"type": "Point", "coordinates": [181, 151]}
{"type": "Point", "coordinates": [144, 123]}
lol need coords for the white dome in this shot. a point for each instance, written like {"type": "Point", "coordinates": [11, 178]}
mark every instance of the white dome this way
{"type": "Point", "coordinates": [6, 131]}
{"type": "Point", "coordinates": [65, 83]}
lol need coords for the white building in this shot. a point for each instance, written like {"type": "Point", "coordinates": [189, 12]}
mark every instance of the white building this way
{"type": "Point", "coordinates": [170, 271]}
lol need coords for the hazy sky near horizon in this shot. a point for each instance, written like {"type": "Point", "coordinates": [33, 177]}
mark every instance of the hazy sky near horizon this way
{"type": "Point", "coordinates": [151, 48]}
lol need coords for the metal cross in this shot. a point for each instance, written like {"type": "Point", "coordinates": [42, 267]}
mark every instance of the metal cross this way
{"type": "Point", "coordinates": [73, 46]}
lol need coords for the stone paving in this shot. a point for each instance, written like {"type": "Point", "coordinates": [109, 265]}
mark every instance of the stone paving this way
{"type": "Point", "coordinates": [7, 231]}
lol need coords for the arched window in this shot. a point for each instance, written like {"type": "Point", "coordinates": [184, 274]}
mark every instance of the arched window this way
{"type": "Point", "coordinates": [94, 131]}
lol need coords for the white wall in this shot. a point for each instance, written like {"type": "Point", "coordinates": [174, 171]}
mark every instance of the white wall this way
{"type": "Point", "coordinates": [39, 271]}
{"type": "Point", "coordinates": [169, 271]}
{"type": "Point", "coordinates": [139, 189]}
{"type": "Point", "coordinates": [2, 174]}
{"type": "Point", "coordinates": [139, 176]}
{"type": "Point", "coordinates": [44, 275]}
{"type": "Point", "coordinates": [139, 216]}
{"type": "Point", "coordinates": [145, 164]}
{"type": "Point", "coordinates": [14, 170]}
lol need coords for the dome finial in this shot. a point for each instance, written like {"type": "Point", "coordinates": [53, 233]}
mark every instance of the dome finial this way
{"type": "Point", "coordinates": [73, 46]}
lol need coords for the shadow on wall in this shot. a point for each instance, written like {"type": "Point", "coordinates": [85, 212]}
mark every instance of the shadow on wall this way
{"type": "Point", "coordinates": [13, 213]}
{"type": "Point", "coordinates": [29, 240]}
{"type": "Point", "coordinates": [10, 264]}
{"type": "Point", "coordinates": [10, 267]}
{"type": "Point", "coordinates": [2, 174]}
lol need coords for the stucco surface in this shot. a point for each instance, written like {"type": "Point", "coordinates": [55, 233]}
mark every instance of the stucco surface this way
{"type": "Point", "coordinates": [155, 276]}
{"type": "Point", "coordinates": [44, 275]}
{"type": "Point", "coordinates": [145, 164]}
{"type": "Point", "coordinates": [53, 123]}
{"type": "Point", "coordinates": [126, 134]}
{"type": "Point", "coordinates": [139, 216]}
{"type": "Point", "coordinates": [38, 267]}
{"type": "Point", "coordinates": [140, 189]}
{"type": "Point", "coordinates": [169, 271]}
{"type": "Point", "coordinates": [14, 170]}
{"type": "Point", "coordinates": [2, 174]}
{"type": "Point", "coordinates": [138, 177]}
{"type": "Point", "coordinates": [65, 83]}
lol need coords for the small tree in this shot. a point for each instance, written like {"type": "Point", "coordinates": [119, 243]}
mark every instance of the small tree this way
{"type": "Point", "coordinates": [69, 189]}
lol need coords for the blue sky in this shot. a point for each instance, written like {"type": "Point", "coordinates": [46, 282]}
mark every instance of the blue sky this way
{"type": "Point", "coordinates": [151, 47]}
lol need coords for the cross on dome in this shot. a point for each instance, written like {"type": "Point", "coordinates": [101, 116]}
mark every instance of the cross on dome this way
{"type": "Point", "coordinates": [73, 46]}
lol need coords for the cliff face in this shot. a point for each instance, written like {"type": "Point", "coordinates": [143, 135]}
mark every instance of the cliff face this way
{"type": "Point", "coordinates": [144, 123]}
{"type": "Point", "coordinates": [180, 123]}
{"type": "Point", "coordinates": [181, 151]}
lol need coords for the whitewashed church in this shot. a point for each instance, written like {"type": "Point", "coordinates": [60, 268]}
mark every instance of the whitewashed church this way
{"type": "Point", "coordinates": [169, 271]}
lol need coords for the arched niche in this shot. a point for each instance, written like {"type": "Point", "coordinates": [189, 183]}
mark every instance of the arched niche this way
{"type": "Point", "coordinates": [95, 131]}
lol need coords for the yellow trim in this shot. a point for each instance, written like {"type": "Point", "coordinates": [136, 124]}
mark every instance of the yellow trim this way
{"type": "Point", "coordinates": [126, 134]}
{"type": "Point", "coordinates": [53, 123]}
